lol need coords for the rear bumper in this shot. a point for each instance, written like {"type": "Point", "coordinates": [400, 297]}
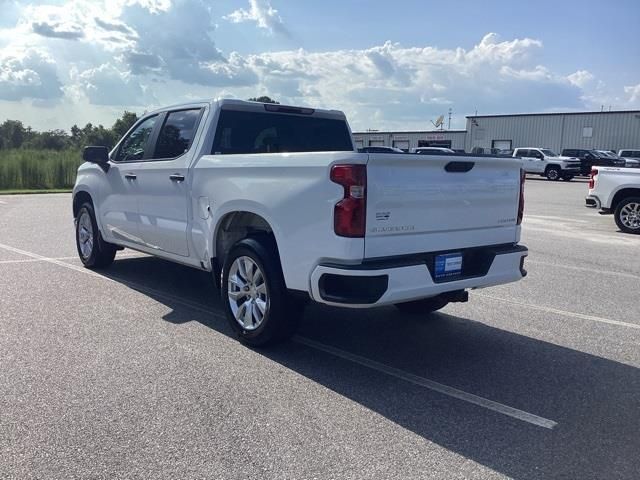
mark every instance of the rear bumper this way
{"type": "Point", "coordinates": [592, 201]}
{"type": "Point", "coordinates": [396, 280]}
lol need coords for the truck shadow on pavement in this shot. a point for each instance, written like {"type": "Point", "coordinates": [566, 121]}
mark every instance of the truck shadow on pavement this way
{"type": "Point", "coordinates": [595, 401]}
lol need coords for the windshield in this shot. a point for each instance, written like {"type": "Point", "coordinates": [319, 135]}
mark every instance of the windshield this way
{"type": "Point", "coordinates": [548, 153]}
{"type": "Point", "coordinates": [607, 154]}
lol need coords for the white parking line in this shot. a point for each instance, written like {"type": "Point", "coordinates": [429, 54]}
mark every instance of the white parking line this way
{"type": "Point", "coordinates": [408, 377]}
{"type": "Point", "coordinates": [22, 260]}
{"type": "Point", "coordinates": [2, 202]}
{"type": "Point", "coordinates": [430, 384]}
{"type": "Point", "coordinates": [559, 312]}
{"type": "Point", "coordinates": [45, 259]}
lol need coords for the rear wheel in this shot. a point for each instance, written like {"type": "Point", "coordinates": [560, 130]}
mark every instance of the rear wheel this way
{"type": "Point", "coordinates": [94, 252]}
{"type": "Point", "coordinates": [424, 306]}
{"type": "Point", "coordinates": [257, 305]}
{"type": "Point", "coordinates": [553, 173]}
{"type": "Point", "coordinates": [627, 215]}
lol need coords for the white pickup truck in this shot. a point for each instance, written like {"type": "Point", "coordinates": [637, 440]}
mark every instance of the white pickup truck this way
{"type": "Point", "coordinates": [547, 163]}
{"type": "Point", "coordinates": [616, 190]}
{"type": "Point", "coordinates": [277, 204]}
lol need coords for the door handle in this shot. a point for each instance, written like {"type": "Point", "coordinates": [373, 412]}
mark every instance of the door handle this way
{"type": "Point", "coordinates": [130, 176]}
{"type": "Point", "coordinates": [176, 177]}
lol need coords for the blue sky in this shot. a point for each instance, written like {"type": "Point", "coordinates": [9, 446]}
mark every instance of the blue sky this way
{"type": "Point", "coordinates": [386, 64]}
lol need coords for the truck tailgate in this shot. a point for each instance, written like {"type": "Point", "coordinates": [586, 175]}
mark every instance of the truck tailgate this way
{"type": "Point", "coordinates": [420, 203]}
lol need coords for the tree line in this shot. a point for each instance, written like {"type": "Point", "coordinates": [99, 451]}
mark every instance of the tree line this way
{"type": "Point", "coordinates": [15, 135]}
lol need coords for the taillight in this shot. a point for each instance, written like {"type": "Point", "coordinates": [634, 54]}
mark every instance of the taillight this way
{"type": "Point", "coordinates": [521, 201]}
{"type": "Point", "coordinates": [592, 178]}
{"type": "Point", "coordinates": [349, 214]}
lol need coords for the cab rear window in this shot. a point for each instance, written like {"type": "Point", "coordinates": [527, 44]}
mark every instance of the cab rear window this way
{"type": "Point", "coordinates": [241, 132]}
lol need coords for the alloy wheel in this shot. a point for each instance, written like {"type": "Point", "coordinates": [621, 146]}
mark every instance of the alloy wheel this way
{"type": "Point", "coordinates": [630, 215]}
{"type": "Point", "coordinates": [247, 293]}
{"type": "Point", "coordinates": [85, 234]}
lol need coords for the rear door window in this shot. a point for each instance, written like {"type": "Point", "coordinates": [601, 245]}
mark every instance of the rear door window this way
{"type": "Point", "coordinates": [135, 145]}
{"type": "Point", "coordinates": [177, 133]}
{"type": "Point", "coordinates": [256, 132]}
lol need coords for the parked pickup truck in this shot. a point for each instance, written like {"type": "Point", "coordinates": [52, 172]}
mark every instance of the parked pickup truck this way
{"type": "Point", "coordinates": [617, 191]}
{"type": "Point", "coordinates": [548, 164]}
{"type": "Point", "coordinates": [277, 204]}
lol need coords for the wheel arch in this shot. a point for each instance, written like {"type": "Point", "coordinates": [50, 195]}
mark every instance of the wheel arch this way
{"type": "Point", "coordinates": [79, 198]}
{"type": "Point", "coordinates": [235, 225]}
{"type": "Point", "coordinates": [623, 193]}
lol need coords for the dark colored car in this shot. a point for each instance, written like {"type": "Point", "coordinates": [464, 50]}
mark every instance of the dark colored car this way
{"type": "Point", "coordinates": [589, 158]}
{"type": "Point", "coordinates": [380, 150]}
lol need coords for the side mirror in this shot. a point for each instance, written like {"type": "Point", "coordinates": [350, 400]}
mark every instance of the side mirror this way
{"type": "Point", "coordinates": [99, 155]}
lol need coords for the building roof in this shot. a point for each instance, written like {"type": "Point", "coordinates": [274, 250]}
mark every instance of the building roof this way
{"type": "Point", "coordinates": [553, 113]}
{"type": "Point", "coordinates": [406, 132]}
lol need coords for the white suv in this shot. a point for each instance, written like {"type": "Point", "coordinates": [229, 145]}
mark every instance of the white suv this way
{"type": "Point", "coordinates": [547, 163]}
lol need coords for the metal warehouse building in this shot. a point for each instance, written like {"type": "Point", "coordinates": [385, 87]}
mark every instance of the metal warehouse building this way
{"type": "Point", "coordinates": [405, 140]}
{"type": "Point", "coordinates": [600, 130]}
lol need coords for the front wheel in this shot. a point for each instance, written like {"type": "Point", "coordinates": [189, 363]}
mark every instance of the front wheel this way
{"type": "Point", "coordinates": [424, 306]}
{"type": "Point", "coordinates": [553, 173]}
{"type": "Point", "coordinates": [256, 302]}
{"type": "Point", "coordinates": [627, 215]}
{"type": "Point", "coordinates": [94, 252]}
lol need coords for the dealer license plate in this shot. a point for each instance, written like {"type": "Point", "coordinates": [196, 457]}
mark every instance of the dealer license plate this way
{"type": "Point", "coordinates": [448, 265]}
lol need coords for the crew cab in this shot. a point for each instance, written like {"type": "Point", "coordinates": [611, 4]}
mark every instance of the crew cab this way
{"type": "Point", "coordinates": [276, 202]}
{"type": "Point", "coordinates": [546, 163]}
{"type": "Point", "coordinates": [591, 158]}
{"type": "Point", "coordinates": [617, 191]}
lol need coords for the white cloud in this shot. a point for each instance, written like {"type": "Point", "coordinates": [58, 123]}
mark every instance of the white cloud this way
{"type": "Point", "coordinates": [397, 86]}
{"type": "Point", "coordinates": [28, 73]}
{"type": "Point", "coordinates": [580, 78]}
{"type": "Point", "coordinates": [633, 93]}
{"type": "Point", "coordinates": [176, 42]}
{"type": "Point", "coordinates": [57, 30]}
{"type": "Point", "coordinates": [106, 85]}
{"type": "Point", "coordinates": [262, 14]}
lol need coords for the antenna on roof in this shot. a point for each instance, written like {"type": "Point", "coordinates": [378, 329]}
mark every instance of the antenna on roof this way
{"type": "Point", "coordinates": [439, 122]}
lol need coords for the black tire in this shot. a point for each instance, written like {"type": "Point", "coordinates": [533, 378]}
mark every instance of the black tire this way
{"type": "Point", "coordinates": [567, 178]}
{"type": "Point", "coordinates": [552, 173]}
{"type": "Point", "coordinates": [626, 220]}
{"type": "Point", "coordinates": [101, 253]}
{"type": "Point", "coordinates": [282, 312]}
{"type": "Point", "coordinates": [424, 306]}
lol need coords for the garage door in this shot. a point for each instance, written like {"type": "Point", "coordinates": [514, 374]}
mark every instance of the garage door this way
{"type": "Point", "coordinates": [501, 144]}
{"type": "Point", "coordinates": [376, 143]}
{"type": "Point", "coordinates": [401, 144]}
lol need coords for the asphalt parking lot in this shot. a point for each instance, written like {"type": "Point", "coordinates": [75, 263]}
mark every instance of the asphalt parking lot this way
{"type": "Point", "coordinates": [131, 373]}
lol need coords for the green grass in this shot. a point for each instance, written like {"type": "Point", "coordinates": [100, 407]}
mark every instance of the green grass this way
{"type": "Point", "coordinates": [30, 170]}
